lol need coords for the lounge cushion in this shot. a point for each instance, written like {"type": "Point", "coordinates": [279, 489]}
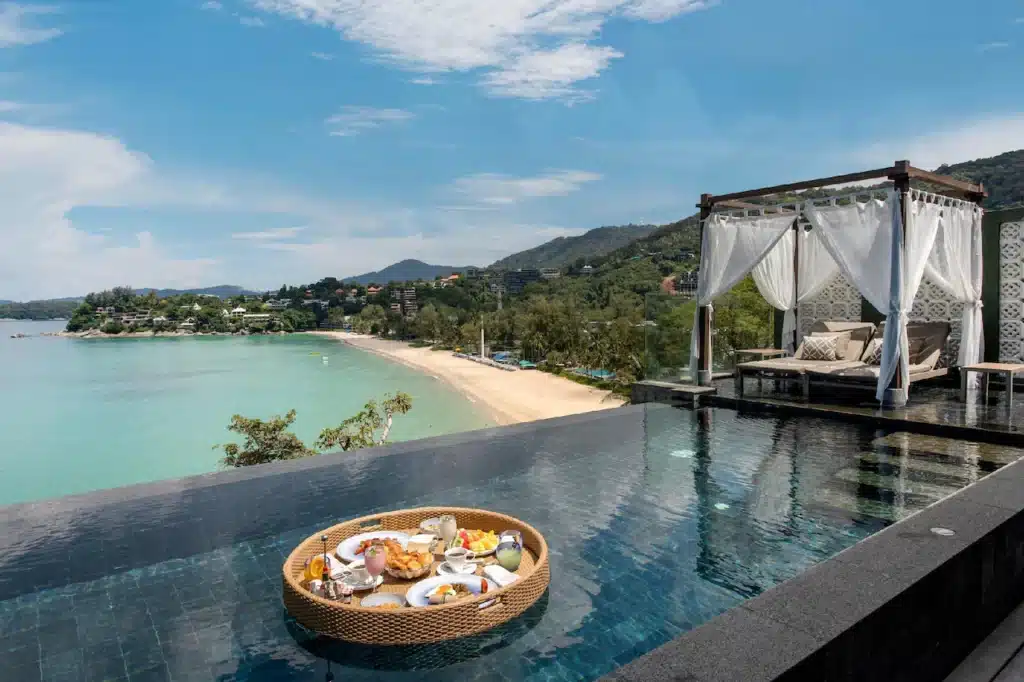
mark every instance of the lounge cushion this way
{"type": "Point", "coordinates": [794, 365]}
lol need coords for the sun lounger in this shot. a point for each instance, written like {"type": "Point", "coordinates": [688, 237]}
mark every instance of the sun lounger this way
{"type": "Point", "coordinates": [856, 336]}
{"type": "Point", "coordinates": [927, 344]}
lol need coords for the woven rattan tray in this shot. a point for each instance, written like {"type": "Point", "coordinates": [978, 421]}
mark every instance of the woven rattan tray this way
{"type": "Point", "coordinates": [409, 625]}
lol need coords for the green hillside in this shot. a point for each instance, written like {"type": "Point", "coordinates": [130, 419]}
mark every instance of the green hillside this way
{"type": "Point", "coordinates": [1003, 177]}
{"type": "Point", "coordinates": [565, 251]}
{"type": "Point", "coordinates": [408, 270]}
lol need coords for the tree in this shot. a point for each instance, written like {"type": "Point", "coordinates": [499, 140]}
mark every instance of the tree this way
{"type": "Point", "coordinates": [264, 441]}
{"type": "Point", "coordinates": [270, 441]}
{"type": "Point", "coordinates": [361, 429]}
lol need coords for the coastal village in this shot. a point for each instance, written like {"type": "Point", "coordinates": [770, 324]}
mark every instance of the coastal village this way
{"type": "Point", "coordinates": [327, 304]}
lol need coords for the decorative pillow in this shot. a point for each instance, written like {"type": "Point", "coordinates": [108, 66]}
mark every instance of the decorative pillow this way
{"type": "Point", "coordinates": [873, 354]}
{"type": "Point", "coordinates": [842, 342]}
{"type": "Point", "coordinates": [820, 348]}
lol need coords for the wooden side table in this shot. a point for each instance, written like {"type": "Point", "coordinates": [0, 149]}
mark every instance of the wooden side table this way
{"type": "Point", "coordinates": [760, 354]}
{"type": "Point", "coordinates": [988, 369]}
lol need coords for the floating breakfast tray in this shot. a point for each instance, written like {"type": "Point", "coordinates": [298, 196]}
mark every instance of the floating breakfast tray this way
{"type": "Point", "coordinates": [415, 625]}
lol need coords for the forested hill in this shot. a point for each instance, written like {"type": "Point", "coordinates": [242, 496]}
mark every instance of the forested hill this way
{"type": "Point", "coordinates": [408, 270]}
{"type": "Point", "coordinates": [1003, 177]}
{"type": "Point", "coordinates": [565, 251]}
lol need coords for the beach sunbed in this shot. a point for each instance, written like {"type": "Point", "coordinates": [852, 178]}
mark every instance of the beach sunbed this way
{"type": "Point", "coordinates": [851, 338]}
{"type": "Point", "coordinates": [927, 344]}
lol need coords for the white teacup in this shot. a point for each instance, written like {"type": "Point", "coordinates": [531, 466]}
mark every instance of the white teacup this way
{"type": "Point", "coordinates": [359, 573]}
{"type": "Point", "coordinates": [457, 557]}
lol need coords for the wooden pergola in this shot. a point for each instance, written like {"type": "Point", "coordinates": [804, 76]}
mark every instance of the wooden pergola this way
{"type": "Point", "coordinates": [900, 173]}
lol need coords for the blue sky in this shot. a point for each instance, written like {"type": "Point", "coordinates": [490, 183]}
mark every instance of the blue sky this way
{"type": "Point", "coordinates": [257, 142]}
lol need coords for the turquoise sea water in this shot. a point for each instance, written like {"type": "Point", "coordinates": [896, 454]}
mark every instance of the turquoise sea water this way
{"type": "Point", "coordinates": [79, 415]}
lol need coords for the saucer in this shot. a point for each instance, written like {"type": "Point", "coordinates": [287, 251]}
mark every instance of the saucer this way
{"type": "Point", "coordinates": [368, 585]}
{"type": "Point", "coordinates": [444, 568]}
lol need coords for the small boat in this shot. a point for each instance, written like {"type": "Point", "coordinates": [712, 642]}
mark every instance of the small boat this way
{"type": "Point", "coordinates": [314, 353]}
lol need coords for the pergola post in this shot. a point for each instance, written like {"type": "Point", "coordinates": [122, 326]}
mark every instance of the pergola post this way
{"type": "Point", "coordinates": [703, 330]}
{"type": "Point", "coordinates": [896, 393]}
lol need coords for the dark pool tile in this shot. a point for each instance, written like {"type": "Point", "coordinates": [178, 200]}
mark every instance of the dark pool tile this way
{"type": "Point", "coordinates": [103, 663]}
{"type": "Point", "coordinates": [57, 636]}
{"type": "Point", "coordinates": [30, 672]}
{"type": "Point", "coordinates": [66, 663]}
{"type": "Point", "coordinates": [156, 673]}
{"type": "Point", "coordinates": [20, 618]}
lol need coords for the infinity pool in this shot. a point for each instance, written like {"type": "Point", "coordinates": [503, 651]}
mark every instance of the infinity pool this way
{"type": "Point", "coordinates": [657, 520]}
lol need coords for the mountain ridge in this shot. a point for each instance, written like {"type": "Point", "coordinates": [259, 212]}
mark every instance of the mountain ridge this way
{"type": "Point", "coordinates": [564, 251]}
{"type": "Point", "coordinates": [407, 270]}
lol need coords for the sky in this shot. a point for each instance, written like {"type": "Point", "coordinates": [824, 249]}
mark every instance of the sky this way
{"type": "Point", "coordinates": [183, 143]}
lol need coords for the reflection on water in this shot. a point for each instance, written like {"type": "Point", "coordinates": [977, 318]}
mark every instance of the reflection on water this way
{"type": "Point", "coordinates": [424, 656]}
{"type": "Point", "coordinates": [657, 520]}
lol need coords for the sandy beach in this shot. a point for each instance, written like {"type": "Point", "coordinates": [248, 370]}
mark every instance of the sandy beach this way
{"type": "Point", "coordinates": [511, 397]}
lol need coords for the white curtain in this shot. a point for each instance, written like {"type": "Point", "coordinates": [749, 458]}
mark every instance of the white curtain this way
{"type": "Point", "coordinates": [955, 266]}
{"type": "Point", "coordinates": [919, 237]}
{"type": "Point", "coordinates": [774, 279]}
{"type": "Point", "coordinates": [774, 276]}
{"type": "Point", "coordinates": [730, 249]}
{"type": "Point", "coordinates": [859, 237]}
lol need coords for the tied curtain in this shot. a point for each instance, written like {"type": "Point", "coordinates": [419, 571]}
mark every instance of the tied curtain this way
{"type": "Point", "coordinates": [867, 239]}
{"type": "Point", "coordinates": [774, 276]}
{"type": "Point", "coordinates": [730, 248]}
{"type": "Point", "coordinates": [955, 266]}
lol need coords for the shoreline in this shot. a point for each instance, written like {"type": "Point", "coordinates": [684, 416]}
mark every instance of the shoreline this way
{"type": "Point", "coordinates": [95, 334]}
{"type": "Point", "coordinates": [509, 397]}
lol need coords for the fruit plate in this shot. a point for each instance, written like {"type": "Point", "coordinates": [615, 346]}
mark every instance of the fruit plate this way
{"type": "Point", "coordinates": [347, 549]}
{"type": "Point", "coordinates": [487, 552]}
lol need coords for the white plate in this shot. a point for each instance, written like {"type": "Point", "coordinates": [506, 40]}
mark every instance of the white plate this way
{"type": "Point", "coordinates": [436, 522]}
{"type": "Point", "coordinates": [359, 587]}
{"type": "Point", "coordinates": [347, 549]}
{"type": "Point", "coordinates": [379, 598]}
{"type": "Point", "coordinates": [417, 595]}
{"type": "Point", "coordinates": [444, 568]}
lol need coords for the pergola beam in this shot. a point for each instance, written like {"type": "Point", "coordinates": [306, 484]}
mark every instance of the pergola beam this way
{"type": "Point", "coordinates": [897, 170]}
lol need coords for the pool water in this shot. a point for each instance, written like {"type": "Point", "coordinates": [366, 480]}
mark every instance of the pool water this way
{"type": "Point", "coordinates": [657, 520]}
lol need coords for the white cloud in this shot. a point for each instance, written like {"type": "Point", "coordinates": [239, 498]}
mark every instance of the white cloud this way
{"type": "Point", "coordinates": [212, 6]}
{"type": "Point", "coordinates": [352, 120]}
{"type": "Point", "coordinates": [493, 188]}
{"type": "Point", "coordinates": [425, 80]}
{"type": "Point", "coordinates": [255, 22]}
{"type": "Point", "coordinates": [18, 28]}
{"type": "Point", "coordinates": [271, 234]}
{"type": "Point", "coordinates": [322, 56]}
{"type": "Point", "coordinates": [7, 106]}
{"type": "Point", "coordinates": [542, 75]}
{"type": "Point", "coordinates": [988, 47]}
{"type": "Point", "coordinates": [536, 49]}
{"type": "Point", "coordinates": [965, 141]}
{"type": "Point", "coordinates": [44, 174]}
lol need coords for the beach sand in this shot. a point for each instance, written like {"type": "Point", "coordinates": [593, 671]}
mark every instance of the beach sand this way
{"type": "Point", "coordinates": [510, 397]}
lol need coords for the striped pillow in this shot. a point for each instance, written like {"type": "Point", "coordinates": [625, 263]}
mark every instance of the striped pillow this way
{"type": "Point", "coordinates": [820, 348]}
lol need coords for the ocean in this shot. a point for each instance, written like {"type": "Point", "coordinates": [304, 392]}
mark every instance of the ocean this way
{"type": "Point", "coordinates": [78, 415]}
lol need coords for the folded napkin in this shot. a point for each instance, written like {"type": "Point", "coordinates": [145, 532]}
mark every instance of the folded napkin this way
{"type": "Point", "coordinates": [499, 576]}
